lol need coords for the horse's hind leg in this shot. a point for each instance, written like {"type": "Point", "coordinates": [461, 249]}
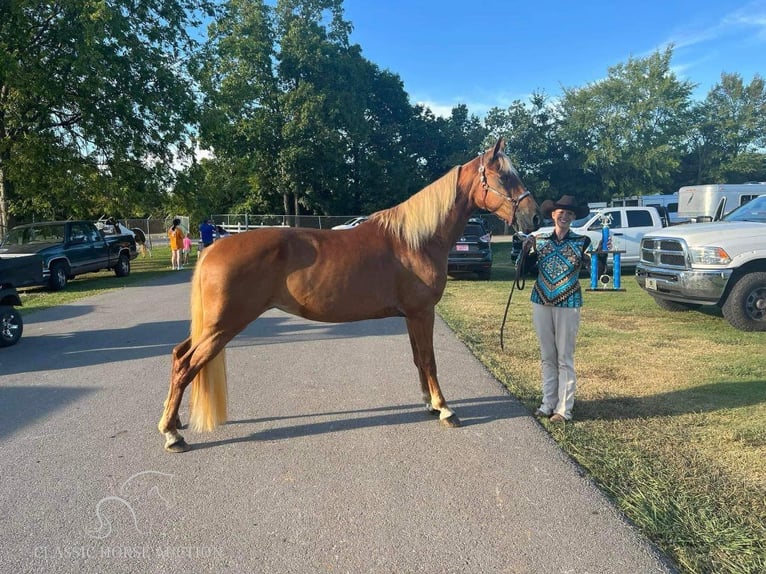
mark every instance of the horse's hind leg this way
{"type": "Point", "coordinates": [421, 332]}
{"type": "Point", "coordinates": [179, 380]}
{"type": "Point", "coordinates": [186, 363]}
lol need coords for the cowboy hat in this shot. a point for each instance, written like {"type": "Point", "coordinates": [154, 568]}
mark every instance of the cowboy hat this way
{"type": "Point", "coordinates": [566, 202]}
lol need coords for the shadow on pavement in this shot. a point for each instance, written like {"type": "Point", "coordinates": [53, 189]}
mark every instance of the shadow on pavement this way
{"type": "Point", "coordinates": [472, 412]}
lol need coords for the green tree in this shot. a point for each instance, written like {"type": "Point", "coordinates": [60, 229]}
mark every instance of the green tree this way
{"type": "Point", "coordinates": [729, 135]}
{"type": "Point", "coordinates": [241, 120]}
{"type": "Point", "coordinates": [548, 166]}
{"type": "Point", "coordinates": [631, 126]}
{"type": "Point", "coordinates": [298, 116]}
{"type": "Point", "coordinates": [94, 101]}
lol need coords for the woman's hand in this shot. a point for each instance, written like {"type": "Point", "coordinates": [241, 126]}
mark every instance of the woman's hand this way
{"type": "Point", "coordinates": [608, 245]}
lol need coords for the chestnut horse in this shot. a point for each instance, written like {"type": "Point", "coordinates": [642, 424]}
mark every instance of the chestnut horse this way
{"type": "Point", "coordinates": [393, 265]}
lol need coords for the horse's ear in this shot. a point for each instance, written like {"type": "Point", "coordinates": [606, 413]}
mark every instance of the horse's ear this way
{"type": "Point", "coordinates": [499, 147]}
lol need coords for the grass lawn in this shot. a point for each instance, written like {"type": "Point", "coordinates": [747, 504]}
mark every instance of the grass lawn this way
{"type": "Point", "coordinates": [141, 269]}
{"type": "Point", "coordinates": [670, 413]}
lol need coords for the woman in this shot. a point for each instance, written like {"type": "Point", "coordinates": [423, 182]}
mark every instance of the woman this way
{"type": "Point", "coordinates": [176, 237]}
{"type": "Point", "coordinates": [556, 302]}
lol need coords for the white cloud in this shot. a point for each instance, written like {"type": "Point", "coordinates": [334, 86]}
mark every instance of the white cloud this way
{"type": "Point", "coordinates": [439, 110]}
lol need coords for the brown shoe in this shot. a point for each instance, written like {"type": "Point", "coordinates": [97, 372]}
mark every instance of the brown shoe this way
{"type": "Point", "coordinates": [539, 414]}
{"type": "Point", "coordinates": [557, 418]}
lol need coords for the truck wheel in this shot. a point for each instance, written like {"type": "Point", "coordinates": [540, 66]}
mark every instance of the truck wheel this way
{"type": "Point", "coordinates": [122, 269]}
{"type": "Point", "coordinates": [745, 307]}
{"type": "Point", "coordinates": [11, 326]}
{"type": "Point", "coordinates": [674, 305]}
{"type": "Point", "coordinates": [59, 274]}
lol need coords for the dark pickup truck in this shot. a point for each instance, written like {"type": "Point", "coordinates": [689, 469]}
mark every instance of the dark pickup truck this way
{"type": "Point", "coordinates": [11, 325]}
{"type": "Point", "coordinates": [57, 251]}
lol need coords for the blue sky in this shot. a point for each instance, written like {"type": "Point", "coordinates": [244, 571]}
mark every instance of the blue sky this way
{"type": "Point", "coordinates": [486, 54]}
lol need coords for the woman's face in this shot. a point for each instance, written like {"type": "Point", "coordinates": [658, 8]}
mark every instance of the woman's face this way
{"type": "Point", "coordinates": [562, 218]}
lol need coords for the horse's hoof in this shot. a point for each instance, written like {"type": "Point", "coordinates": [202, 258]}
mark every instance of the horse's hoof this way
{"type": "Point", "coordinates": [178, 447]}
{"type": "Point", "coordinates": [451, 422]}
{"type": "Point", "coordinates": [432, 411]}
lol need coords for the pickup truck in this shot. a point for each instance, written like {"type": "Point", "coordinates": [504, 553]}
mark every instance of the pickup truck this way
{"type": "Point", "coordinates": [721, 263]}
{"type": "Point", "coordinates": [62, 250]}
{"type": "Point", "coordinates": [627, 226]}
{"type": "Point", "coordinates": [11, 324]}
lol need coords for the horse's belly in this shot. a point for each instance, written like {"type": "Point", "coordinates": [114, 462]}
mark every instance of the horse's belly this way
{"type": "Point", "coordinates": [340, 298]}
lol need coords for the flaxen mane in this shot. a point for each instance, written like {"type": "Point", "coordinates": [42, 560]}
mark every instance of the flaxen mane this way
{"type": "Point", "coordinates": [418, 218]}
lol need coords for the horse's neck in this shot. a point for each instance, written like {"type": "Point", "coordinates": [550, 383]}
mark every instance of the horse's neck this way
{"type": "Point", "coordinates": [462, 209]}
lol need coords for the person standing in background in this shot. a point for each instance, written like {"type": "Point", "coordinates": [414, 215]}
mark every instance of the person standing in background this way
{"type": "Point", "coordinates": [206, 233]}
{"type": "Point", "coordinates": [187, 243]}
{"type": "Point", "coordinates": [176, 237]}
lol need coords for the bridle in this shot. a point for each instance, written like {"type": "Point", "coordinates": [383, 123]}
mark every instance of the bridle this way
{"type": "Point", "coordinates": [489, 189]}
{"type": "Point", "coordinates": [519, 282]}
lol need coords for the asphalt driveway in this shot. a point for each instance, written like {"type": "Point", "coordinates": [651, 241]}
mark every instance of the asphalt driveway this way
{"type": "Point", "coordinates": [329, 462]}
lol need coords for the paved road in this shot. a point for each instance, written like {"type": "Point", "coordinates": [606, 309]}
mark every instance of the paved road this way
{"type": "Point", "coordinates": [328, 464]}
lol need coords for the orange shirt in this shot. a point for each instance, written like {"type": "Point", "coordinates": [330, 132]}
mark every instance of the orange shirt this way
{"type": "Point", "coordinates": [176, 238]}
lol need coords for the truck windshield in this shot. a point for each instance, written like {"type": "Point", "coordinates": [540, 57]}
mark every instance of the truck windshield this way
{"type": "Point", "coordinates": [35, 234]}
{"type": "Point", "coordinates": [754, 210]}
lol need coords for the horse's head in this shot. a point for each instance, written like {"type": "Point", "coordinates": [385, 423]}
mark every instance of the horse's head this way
{"type": "Point", "coordinates": [501, 191]}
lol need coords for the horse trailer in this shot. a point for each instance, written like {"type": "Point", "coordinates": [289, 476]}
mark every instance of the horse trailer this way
{"type": "Point", "coordinates": [698, 203]}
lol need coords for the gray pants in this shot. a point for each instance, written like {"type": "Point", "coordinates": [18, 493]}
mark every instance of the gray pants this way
{"type": "Point", "coordinates": [556, 329]}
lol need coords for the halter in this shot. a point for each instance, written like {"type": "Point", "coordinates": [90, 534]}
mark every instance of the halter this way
{"type": "Point", "coordinates": [489, 189]}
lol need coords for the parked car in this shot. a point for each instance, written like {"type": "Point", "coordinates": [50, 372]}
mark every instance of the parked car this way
{"type": "Point", "coordinates": [61, 250]}
{"type": "Point", "coordinates": [722, 263]}
{"type": "Point", "coordinates": [472, 253]}
{"type": "Point", "coordinates": [11, 324]}
{"type": "Point", "coordinates": [351, 223]}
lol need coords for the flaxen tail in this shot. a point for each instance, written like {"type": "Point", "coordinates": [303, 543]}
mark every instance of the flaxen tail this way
{"type": "Point", "coordinates": [208, 393]}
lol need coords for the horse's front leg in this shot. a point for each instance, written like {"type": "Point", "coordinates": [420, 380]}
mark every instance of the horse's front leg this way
{"type": "Point", "coordinates": [421, 332]}
{"type": "Point", "coordinates": [179, 380]}
{"type": "Point", "coordinates": [426, 393]}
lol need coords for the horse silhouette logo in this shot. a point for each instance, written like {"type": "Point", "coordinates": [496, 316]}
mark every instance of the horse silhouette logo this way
{"type": "Point", "coordinates": [126, 499]}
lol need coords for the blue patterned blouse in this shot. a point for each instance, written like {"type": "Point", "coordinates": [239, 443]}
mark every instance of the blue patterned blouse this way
{"type": "Point", "coordinates": [559, 264]}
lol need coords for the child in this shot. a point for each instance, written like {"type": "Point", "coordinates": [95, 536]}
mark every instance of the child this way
{"type": "Point", "coordinates": [187, 243]}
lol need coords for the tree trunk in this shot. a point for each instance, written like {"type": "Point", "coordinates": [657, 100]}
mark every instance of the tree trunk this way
{"type": "Point", "coordinates": [3, 203]}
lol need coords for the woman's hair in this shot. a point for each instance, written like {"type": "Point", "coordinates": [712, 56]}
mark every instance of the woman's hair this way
{"type": "Point", "coordinates": [176, 223]}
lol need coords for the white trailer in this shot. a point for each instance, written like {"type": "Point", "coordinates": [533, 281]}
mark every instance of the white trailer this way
{"type": "Point", "coordinates": [711, 202]}
{"type": "Point", "coordinates": [655, 199]}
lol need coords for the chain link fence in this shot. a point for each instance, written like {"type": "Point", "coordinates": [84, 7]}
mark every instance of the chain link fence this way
{"type": "Point", "coordinates": [239, 222]}
{"type": "Point", "coordinates": [156, 229]}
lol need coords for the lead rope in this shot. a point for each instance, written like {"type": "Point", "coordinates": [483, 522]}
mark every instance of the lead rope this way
{"type": "Point", "coordinates": [519, 283]}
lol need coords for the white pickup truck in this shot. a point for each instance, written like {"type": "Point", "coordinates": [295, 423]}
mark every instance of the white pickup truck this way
{"type": "Point", "coordinates": [721, 263]}
{"type": "Point", "coordinates": [627, 225]}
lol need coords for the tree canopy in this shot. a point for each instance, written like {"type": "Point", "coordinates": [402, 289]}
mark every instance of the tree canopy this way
{"type": "Point", "coordinates": [100, 103]}
{"type": "Point", "coordinates": [95, 102]}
